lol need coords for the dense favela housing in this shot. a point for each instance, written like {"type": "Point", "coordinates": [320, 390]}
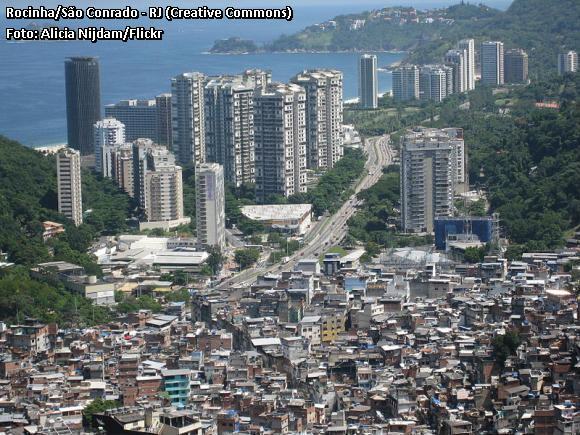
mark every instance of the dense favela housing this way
{"type": "Point", "coordinates": [237, 297]}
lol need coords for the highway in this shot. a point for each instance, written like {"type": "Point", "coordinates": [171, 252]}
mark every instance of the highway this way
{"type": "Point", "coordinates": [330, 230]}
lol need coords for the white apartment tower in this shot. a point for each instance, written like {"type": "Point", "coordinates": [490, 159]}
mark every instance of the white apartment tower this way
{"type": "Point", "coordinates": [428, 178]}
{"type": "Point", "coordinates": [68, 169]}
{"type": "Point", "coordinates": [457, 61]}
{"type": "Point", "coordinates": [455, 138]}
{"type": "Point", "coordinates": [260, 78]}
{"type": "Point", "coordinates": [368, 81]}
{"type": "Point", "coordinates": [122, 167]}
{"type": "Point", "coordinates": [406, 83]}
{"type": "Point", "coordinates": [158, 184]}
{"type": "Point", "coordinates": [229, 127]}
{"type": "Point", "coordinates": [210, 205]}
{"type": "Point", "coordinates": [187, 117]}
{"type": "Point", "coordinates": [435, 82]}
{"type": "Point", "coordinates": [108, 133]}
{"type": "Point", "coordinates": [492, 63]}
{"type": "Point", "coordinates": [280, 138]}
{"type": "Point", "coordinates": [324, 137]}
{"type": "Point", "coordinates": [468, 45]}
{"type": "Point", "coordinates": [567, 62]}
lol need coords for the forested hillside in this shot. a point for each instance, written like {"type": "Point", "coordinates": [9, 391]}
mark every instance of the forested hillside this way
{"type": "Point", "coordinates": [28, 196]}
{"type": "Point", "coordinates": [541, 27]}
{"type": "Point", "coordinates": [528, 158]}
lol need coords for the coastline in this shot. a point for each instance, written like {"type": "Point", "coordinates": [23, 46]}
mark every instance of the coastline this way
{"type": "Point", "coordinates": [235, 53]}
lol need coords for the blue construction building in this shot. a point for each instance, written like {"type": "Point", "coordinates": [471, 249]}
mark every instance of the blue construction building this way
{"type": "Point", "coordinates": [482, 227]}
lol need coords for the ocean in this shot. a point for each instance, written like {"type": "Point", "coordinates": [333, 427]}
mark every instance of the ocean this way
{"type": "Point", "coordinates": [32, 73]}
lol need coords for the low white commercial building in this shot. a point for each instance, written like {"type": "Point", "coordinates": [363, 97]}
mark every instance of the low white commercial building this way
{"type": "Point", "coordinates": [139, 252]}
{"type": "Point", "coordinates": [289, 218]}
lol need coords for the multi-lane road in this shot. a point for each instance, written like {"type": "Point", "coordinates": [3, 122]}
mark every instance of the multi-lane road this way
{"type": "Point", "coordinates": [330, 230]}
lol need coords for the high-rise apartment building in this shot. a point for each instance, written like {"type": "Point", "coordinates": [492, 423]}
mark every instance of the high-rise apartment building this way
{"type": "Point", "coordinates": [515, 66]}
{"type": "Point", "coordinates": [157, 185]}
{"type": "Point", "coordinates": [187, 116]}
{"type": "Point", "coordinates": [406, 83]}
{"type": "Point", "coordinates": [83, 101]}
{"type": "Point", "coordinates": [428, 178]}
{"type": "Point", "coordinates": [280, 138]}
{"type": "Point", "coordinates": [324, 137]}
{"type": "Point", "coordinates": [163, 187]}
{"type": "Point", "coordinates": [455, 138]}
{"type": "Point", "coordinates": [163, 104]}
{"type": "Point", "coordinates": [259, 77]}
{"type": "Point", "coordinates": [68, 170]}
{"type": "Point", "coordinates": [121, 158]}
{"type": "Point", "coordinates": [229, 127]}
{"type": "Point", "coordinates": [492, 63]}
{"type": "Point", "coordinates": [108, 132]}
{"type": "Point", "coordinates": [368, 82]}
{"type": "Point", "coordinates": [210, 205]}
{"type": "Point", "coordinates": [138, 116]}
{"type": "Point", "coordinates": [568, 62]}
{"type": "Point", "coordinates": [435, 82]}
{"type": "Point", "coordinates": [457, 61]}
{"type": "Point", "coordinates": [468, 45]}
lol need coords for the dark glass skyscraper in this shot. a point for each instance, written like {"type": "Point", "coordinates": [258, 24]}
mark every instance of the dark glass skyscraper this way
{"type": "Point", "coordinates": [83, 101]}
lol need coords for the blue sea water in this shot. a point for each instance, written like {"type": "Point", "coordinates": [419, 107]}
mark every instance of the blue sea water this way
{"type": "Point", "coordinates": [32, 73]}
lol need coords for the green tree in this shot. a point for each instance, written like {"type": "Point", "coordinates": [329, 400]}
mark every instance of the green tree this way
{"type": "Point", "coordinates": [246, 257]}
{"type": "Point", "coordinates": [215, 260]}
{"type": "Point", "coordinates": [474, 254]}
{"type": "Point", "coordinates": [179, 277]}
{"type": "Point", "coordinates": [505, 346]}
{"type": "Point", "coordinates": [514, 252]}
{"type": "Point", "coordinates": [95, 407]}
{"type": "Point", "coordinates": [131, 304]}
{"type": "Point", "coordinates": [181, 295]}
{"type": "Point", "coordinates": [372, 248]}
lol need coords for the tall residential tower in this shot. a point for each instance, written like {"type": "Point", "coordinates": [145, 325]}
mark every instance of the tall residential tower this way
{"type": "Point", "coordinates": [406, 83]}
{"type": "Point", "coordinates": [68, 170]}
{"type": "Point", "coordinates": [323, 116]}
{"type": "Point", "coordinates": [163, 105]}
{"type": "Point", "coordinates": [108, 133]}
{"type": "Point", "coordinates": [83, 101]}
{"type": "Point", "coordinates": [492, 63]}
{"type": "Point", "coordinates": [516, 66]}
{"type": "Point", "coordinates": [429, 175]}
{"type": "Point", "coordinates": [280, 137]}
{"type": "Point", "coordinates": [210, 205]}
{"type": "Point", "coordinates": [567, 62]}
{"type": "Point", "coordinates": [138, 116]}
{"type": "Point", "coordinates": [368, 81]}
{"type": "Point", "coordinates": [435, 82]}
{"type": "Point", "coordinates": [158, 185]}
{"type": "Point", "coordinates": [229, 127]}
{"type": "Point", "coordinates": [468, 45]}
{"type": "Point", "coordinates": [457, 61]}
{"type": "Point", "coordinates": [187, 115]}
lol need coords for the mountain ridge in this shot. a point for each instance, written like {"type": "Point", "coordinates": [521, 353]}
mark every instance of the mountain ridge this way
{"type": "Point", "coordinates": [541, 27]}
